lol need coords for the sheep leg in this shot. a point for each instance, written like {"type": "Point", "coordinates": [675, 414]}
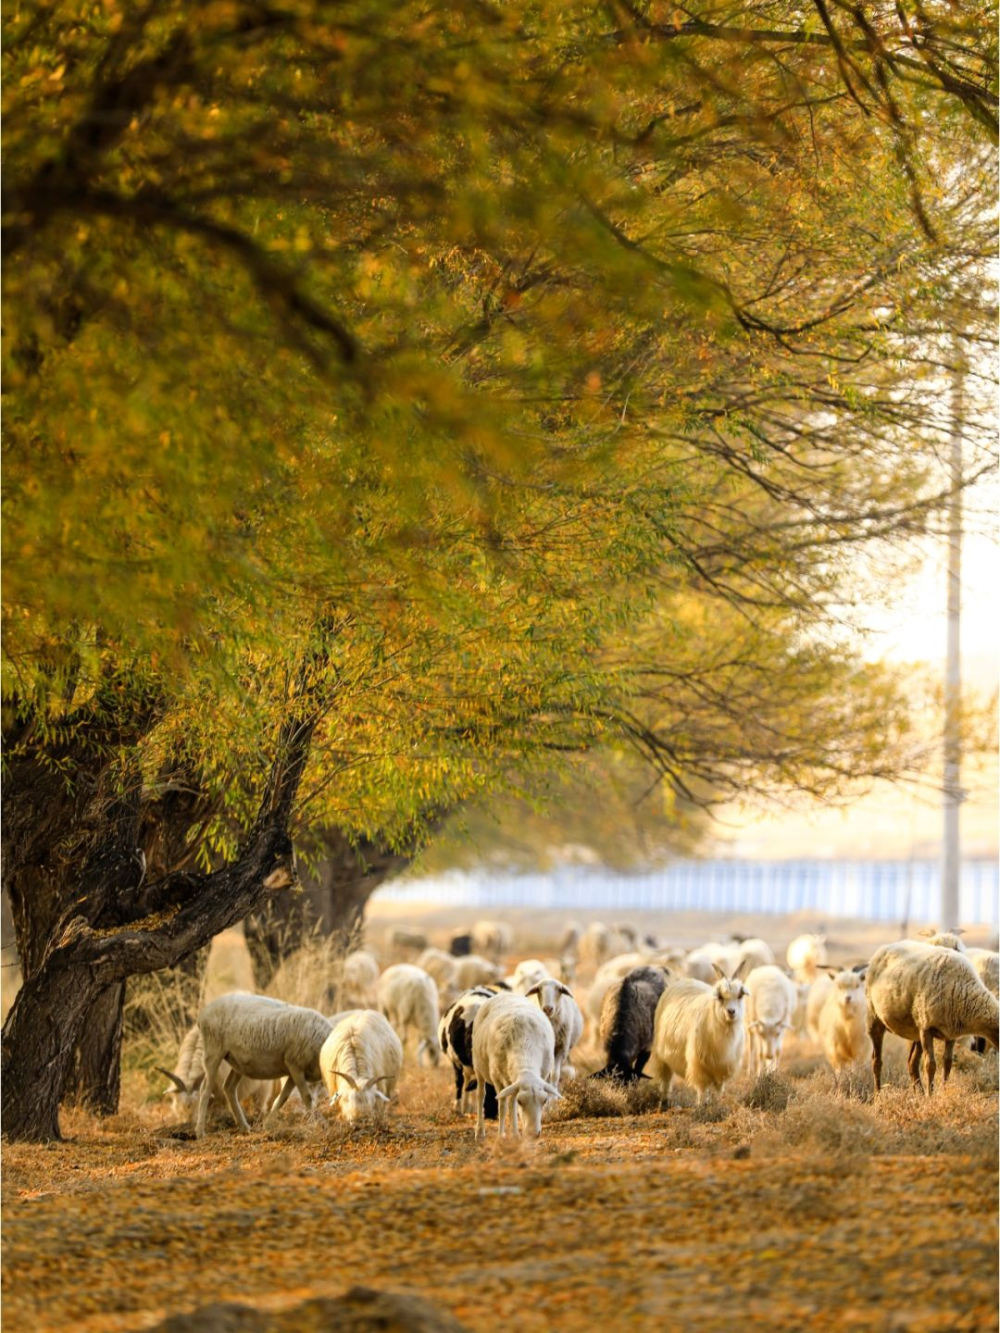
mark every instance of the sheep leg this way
{"type": "Point", "coordinates": [211, 1071]}
{"type": "Point", "coordinates": [283, 1096]}
{"type": "Point", "coordinates": [913, 1064]}
{"type": "Point", "coordinates": [640, 1063]}
{"type": "Point", "coordinates": [231, 1090]}
{"type": "Point", "coordinates": [928, 1045]}
{"type": "Point", "coordinates": [480, 1103]}
{"type": "Point", "coordinates": [459, 1089]}
{"type": "Point", "coordinates": [949, 1055]}
{"type": "Point", "coordinates": [876, 1031]}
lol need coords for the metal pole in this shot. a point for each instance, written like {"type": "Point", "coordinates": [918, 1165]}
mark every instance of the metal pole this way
{"type": "Point", "coordinates": [953, 794]}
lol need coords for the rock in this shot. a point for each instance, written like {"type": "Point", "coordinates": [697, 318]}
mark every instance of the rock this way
{"type": "Point", "coordinates": [360, 1310]}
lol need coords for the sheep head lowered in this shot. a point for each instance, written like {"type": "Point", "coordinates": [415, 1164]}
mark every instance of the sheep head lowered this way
{"type": "Point", "coordinates": [359, 1101]}
{"type": "Point", "coordinates": [182, 1095]}
{"type": "Point", "coordinates": [730, 993]}
{"type": "Point", "coordinates": [531, 1094]}
{"type": "Point", "coordinates": [548, 993]}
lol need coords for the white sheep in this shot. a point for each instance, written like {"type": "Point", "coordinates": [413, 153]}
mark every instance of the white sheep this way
{"type": "Point", "coordinates": [408, 997]}
{"type": "Point", "coordinates": [359, 980]}
{"type": "Point", "coordinates": [595, 945]}
{"type": "Point", "coordinates": [473, 970]}
{"type": "Point", "coordinates": [361, 1052]}
{"type": "Point", "coordinates": [701, 964]}
{"type": "Point", "coordinates": [841, 1022]}
{"type": "Point", "coordinates": [406, 941]}
{"type": "Point", "coordinates": [920, 992]}
{"type": "Point", "coordinates": [512, 1047]}
{"type": "Point", "coordinates": [987, 965]}
{"type": "Point", "coordinates": [526, 974]}
{"type": "Point", "coordinates": [558, 1005]}
{"type": "Point", "coordinates": [442, 967]}
{"type": "Point", "coordinates": [494, 939]}
{"type": "Point", "coordinates": [806, 955]}
{"type": "Point", "coordinates": [261, 1038]}
{"type": "Point", "coordinates": [754, 953]}
{"type": "Point", "coordinates": [698, 1034]}
{"type": "Point", "coordinates": [770, 1011]}
{"type": "Point", "coordinates": [188, 1077]}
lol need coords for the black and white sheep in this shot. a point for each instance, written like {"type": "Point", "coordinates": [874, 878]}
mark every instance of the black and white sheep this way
{"type": "Point", "coordinates": [261, 1038]}
{"type": "Point", "coordinates": [626, 1023]}
{"type": "Point", "coordinates": [512, 1047]}
{"type": "Point", "coordinates": [455, 1038]}
{"type": "Point", "coordinates": [921, 992]}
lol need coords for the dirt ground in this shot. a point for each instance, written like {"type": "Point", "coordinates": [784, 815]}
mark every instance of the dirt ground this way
{"type": "Point", "coordinates": [785, 1206]}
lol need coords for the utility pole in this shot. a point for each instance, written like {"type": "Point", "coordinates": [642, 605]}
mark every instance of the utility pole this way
{"type": "Point", "coordinates": [953, 794]}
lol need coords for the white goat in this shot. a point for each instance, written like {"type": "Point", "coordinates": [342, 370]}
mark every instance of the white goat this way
{"type": "Point", "coordinates": [264, 1039]}
{"type": "Point", "coordinates": [920, 992]}
{"type": "Point", "coordinates": [361, 1052]}
{"type": "Point", "coordinates": [558, 1005]}
{"type": "Point", "coordinates": [512, 1047]}
{"type": "Point", "coordinates": [805, 955]}
{"type": "Point", "coordinates": [698, 1034]}
{"type": "Point", "coordinates": [770, 1010]}
{"type": "Point", "coordinates": [408, 997]}
{"type": "Point", "coordinates": [841, 1023]}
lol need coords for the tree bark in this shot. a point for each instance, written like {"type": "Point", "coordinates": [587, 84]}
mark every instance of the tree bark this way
{"type": "Point", "coordinates": [95, 1075]}
{"type": "Point", "coordinates": [112, 930]}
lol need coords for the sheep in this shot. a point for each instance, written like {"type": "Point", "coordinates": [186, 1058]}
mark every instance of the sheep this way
{"type": "Point", "coordinates": [805, 955]}
{"type": "Point", "coordinates": [494, 939]}
{"type": "Point", "coordinates": [473, 970]}
{"type": "Point", "coordinates": [570, 939]}
{"type": "Point", "coordinates": [987, 965]}
{"type": "Point", "coordinates": [404, 941]}
{"type": "Point", "coordinates": [943, 939]}
{"type": "Point", "coordinates": [455, 1039]}
{"type": "Point", "coordinates": [188, 1075]}
{"type": "Point", "coordinates": [841, 1022]}
{"type": "Point", "coordinates": [558, 1005]}
{"type": "Point", "coordinates": [626, 1022]}
{"type": "Point", "coordinates": [920, 992]}
{"type": "Point", "coordinates": [595, 946]}
{"type": "Point", "coordinates": [770, 1011]}
{"type": "Point", "coordinates": [442, 967]}
{"type": "Point", "coordinates": [359, 979]}
{"type": "Point", "coordinates": [361, 1052]}
{"type": "Point", "coordinates": [526, 974]}
{"type": "Point", "coordinates": [512, 1046]}
{"type": "Point", "coordinates": [754, 953]}
{"type": "Point", "coordinates": [261, 1038]}
{"type": "Point", "coordinates": [700, 964]}
{"type": "Point", "coordinates": [624, 963]}
{"type": "Point", "coordinates": [698, 1034]}
{"type": "Point", "coordinates": [229, 967]}
{"type": "Point", "coordinates": [409, 999]}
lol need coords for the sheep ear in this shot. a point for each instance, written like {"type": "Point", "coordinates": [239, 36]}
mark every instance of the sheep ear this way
{"type": "Point", "coordinates": [178, 1083]}
{"type": "Point", "coordinates": [927, 932]}
{"type": "Point", "coordinates": [565, 990]}
{"type": "Point", "coordinates": [553, 1092]}
{"type": "Point", "coordinates": [510, 1091]}
{"type": "Point", "coordinates": [381, 1095]}
{"type": "Point", "coordinates": [828, 968]}
{"type": "Point", "coordinates": [861, 972]}
{"type": "Point", "coordinates": [535, 990]}
{"type": "Point", "coordinates": [198, 1082]}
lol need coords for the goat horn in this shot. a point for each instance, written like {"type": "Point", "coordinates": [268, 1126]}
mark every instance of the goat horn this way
{"type": "Point", "coordinates": [339, 1073]}
{"type": "Point", "coordinates": [379, 1078]}
{"type": "Point", "coordinates": [179, 1082]}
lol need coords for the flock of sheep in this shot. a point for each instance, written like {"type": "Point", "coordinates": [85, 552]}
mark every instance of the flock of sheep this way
{"type": "Point", "coordinates": [656, 1011]}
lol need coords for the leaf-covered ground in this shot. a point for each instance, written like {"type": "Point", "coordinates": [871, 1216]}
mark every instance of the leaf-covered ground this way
{"type": "Point", "coordinates": [809, 1212]}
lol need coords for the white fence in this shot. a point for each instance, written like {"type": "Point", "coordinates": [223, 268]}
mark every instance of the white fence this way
{"type": "Point", "coordinates": [872, 890]}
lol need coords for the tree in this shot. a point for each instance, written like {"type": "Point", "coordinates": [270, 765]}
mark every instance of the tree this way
{"type": "Point", "coordinates": [481, 384]}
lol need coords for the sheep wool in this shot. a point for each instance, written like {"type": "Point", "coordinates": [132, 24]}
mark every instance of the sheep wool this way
{"type": "Point", "coordinates": [698, 1034]}
{"type": "Point", "coordinates": [408, 997]}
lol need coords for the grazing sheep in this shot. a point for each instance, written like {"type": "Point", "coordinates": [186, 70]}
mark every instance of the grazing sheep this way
{"type": "Point", "coordinates": [409, 999]}
{"type": "Point", "coordinates": [474, 971]}
{"type": "Point", "coordinates": [558, 1005]}
{"type": "Point", "coordinates": [842, 1021]}
{"type": "Point", "coordinates": [920, 992]}
{"type": "Point", "coordinates": [493, 939]}
{"type": "Point", "coordinates": [698, 1034]}
{"type": "Point", "coordinates": [770, 1011]}
{"type": "Point", "coordinates": [512, 1047]}
{"type": "Point", "coordinates": [701, 964]}
{"type": "Point", "coordinates": [805, 955]}
{"type": "Point", "coordinates": [626, 1022]}
{"type": "Point", "coordinates": [361, 1052]}
{"type": "Point", "coordinates": [442, 967]}
{"type": "Point", "coordinates": [263, 1039]}
{"type": "Point", "coordinates": [359, 980]}
{"type": "Point", "coordinates": [455, 1038]}
{"type": "Point", "coordinates": [406, 941]}
{"type": "Point", "coordinates": [188, 1076]}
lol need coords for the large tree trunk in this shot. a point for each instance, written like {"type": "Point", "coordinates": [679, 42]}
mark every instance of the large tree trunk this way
{"type": "Point", "coordinates": [95, 1075]}
{"type": "Point", "coordinates": [114, 929]}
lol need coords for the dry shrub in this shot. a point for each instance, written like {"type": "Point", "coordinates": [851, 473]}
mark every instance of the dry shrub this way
{"type": "Point", "coordinates": [589, 1099]}
{"type": "Point", "coordinates": [818, 1122]}
{"type": "Point", "coordinates": [769, 1092]}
